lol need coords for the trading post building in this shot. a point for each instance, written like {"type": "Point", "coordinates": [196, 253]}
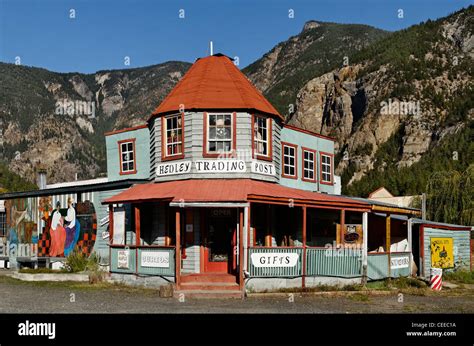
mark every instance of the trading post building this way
{"type": "Point", "coordinates": [216, 194]}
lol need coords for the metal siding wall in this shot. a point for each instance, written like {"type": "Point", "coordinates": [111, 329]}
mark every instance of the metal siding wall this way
{"type": "Point", "coordinates": [306, 140]}
{"type": "Point", "coordinates": [277, 147]}
{"type": "Point", "coordinates": [101, 245]}
{"type": "Point", "coordinates": [340, 263]}
{"type": "Point", "coordinates": [153, 157]}
{"type": "Point", "coordinates": [461, 242]}
{"type": "Point", "coordinates": [142, 154]}
{"type": "Point", "coordinates": [377, 266]}
{"type": "Point", "coordinates": [194, 134]}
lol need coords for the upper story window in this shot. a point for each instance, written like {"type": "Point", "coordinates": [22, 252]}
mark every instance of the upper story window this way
{"type": "Point", "coordinates": [127, 156]}
{"type": "Point", "coordinates": [309, 165]}
{"type": "Point", "coordinates": [173, 131]}
{"type": "Point", "coordinates": [262, 133]}
{"type": "Point", "coordinates": [326, 168]}
{"type": "Point", "coordinates": [289, 160]}
{"type": "Point", "coordinates": [219, 135]}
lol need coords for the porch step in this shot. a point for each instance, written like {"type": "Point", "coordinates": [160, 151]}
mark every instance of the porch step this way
{"type": "Point", "coordinates": [210, 286]}
{"type": "Point", "coordinates": [208, 294]}
{"type": "Point", "coordinates": [207, 278]}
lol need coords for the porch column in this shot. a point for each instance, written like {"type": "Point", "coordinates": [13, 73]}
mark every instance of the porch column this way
{"type": "Point", "coordinates": [387, 241]}
{"type": "Point", "coordinates": [137, 226]}
{"type": "Point", "coordinates": [303, 279]}
{"type": "Point", "coordinates": [341, 231]}
{"type": "Point", "coordinates": [111, 233]}
{"type": "Point", "coordinates": [111, 223]}
{"type": "Point", "coordinates": [241, 248]}
{"type": "Point", "coordinates": [410, 243]}
{"type": "Point", "coordinates": [365, 241]}
{"type": "Point", "coordinates": [178, 248]}
{"type": "Point", "coordinates": [246, 239]}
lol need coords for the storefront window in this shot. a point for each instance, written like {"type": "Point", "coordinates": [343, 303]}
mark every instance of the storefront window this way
{"type": "Point", "coordinates": [288, 229]}
{"type": "Point", "coordinates": [321, 227]}
{"type": "Point", "coordinates": [276, 225]}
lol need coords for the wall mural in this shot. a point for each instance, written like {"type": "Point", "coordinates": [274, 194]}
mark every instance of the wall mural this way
{"type": "Point", "coordinates": [62, 228]}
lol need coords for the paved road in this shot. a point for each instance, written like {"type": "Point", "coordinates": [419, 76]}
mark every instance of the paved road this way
{"type": "Point", "coordinates": [21, 297]}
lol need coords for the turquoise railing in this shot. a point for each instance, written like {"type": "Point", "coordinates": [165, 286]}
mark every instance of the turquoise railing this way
{"type": "Point", "coordinates": [294, 271]}
{"type": "Point", "coordinates": [135, 256]}
{"type": "Point", "coordinates": [377, 265]}
{"type": "Point", "coordinates": [343, 262]}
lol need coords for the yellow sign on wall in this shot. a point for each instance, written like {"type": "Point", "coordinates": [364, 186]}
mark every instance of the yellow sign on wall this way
{"type": "Point", "coordinates": [442, 253]}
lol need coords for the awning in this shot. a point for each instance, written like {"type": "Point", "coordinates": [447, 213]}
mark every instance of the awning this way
{"type": "Point", "coordinates": [229, 190]}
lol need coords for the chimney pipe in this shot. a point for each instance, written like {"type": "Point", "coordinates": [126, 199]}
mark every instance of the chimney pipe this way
{"type": "Point", "coordinates": [211, 48]}
{"type": "Point", "coordinates": [41, 178]}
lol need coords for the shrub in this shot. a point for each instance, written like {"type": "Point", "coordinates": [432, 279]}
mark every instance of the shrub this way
{"type": "Point", "coordinates": [78, 262]}
{"type": "Point", "coordinates": [461, 276]}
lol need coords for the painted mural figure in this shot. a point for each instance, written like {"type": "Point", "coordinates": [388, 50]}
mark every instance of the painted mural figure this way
{"type": "Point", "coordinates": [57, 233]}
{"type": "Point", "coordinates": [72, 228]}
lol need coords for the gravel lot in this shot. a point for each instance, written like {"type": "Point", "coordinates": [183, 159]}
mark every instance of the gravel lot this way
{"type": "Point", "coordinates": [24, 297]}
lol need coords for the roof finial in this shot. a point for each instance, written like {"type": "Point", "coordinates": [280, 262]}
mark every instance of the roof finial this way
{"type": "Point", "coordinates": [211, 48]}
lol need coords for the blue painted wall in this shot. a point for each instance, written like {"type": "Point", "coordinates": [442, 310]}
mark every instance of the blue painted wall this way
{"type": "Point", "coordinates": [319, 144]}
{"type": "Point", "coordinates": [142, 152]}
{"type": "Point", "coordinates": [461, 244]}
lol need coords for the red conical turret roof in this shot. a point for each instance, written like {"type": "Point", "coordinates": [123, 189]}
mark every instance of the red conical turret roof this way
{"type": "Point", "coordinates": [215, 83]}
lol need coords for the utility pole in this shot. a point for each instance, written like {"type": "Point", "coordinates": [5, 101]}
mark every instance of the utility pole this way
{"type": "Point", "coordinates": [423, 206]}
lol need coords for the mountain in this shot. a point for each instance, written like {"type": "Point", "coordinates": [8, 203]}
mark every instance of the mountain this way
{"type": "Point", "coordinates": [319, 48]}
{"type": "Point", "coordinates": [38, 127]}
{"type": "Point", "coordinates": [401, 109]}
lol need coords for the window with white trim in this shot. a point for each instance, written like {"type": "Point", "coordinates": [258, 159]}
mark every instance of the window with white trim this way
{"type": "Point", "coordinates": [308, 165]}
{"type": "Point", "coordinates": [127, 153]}
{"type": "Point", "coordinates": [289, 161]}
{"type": "Point", "coordinates": [261, 136]}
{"type": "Point", "coordinates": [326, 169]}
{"type": "Point", "coordinates": [219, 134]}
{"type": "Point", "coordinates": [173, 135]}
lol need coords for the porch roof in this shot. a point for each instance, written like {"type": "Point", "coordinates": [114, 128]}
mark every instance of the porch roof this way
{"type": "Point", "coordinates": [228, 190]}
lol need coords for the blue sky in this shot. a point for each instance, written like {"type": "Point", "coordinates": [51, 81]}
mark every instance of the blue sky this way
{"type": "Point", "coordinates": [104, 32]}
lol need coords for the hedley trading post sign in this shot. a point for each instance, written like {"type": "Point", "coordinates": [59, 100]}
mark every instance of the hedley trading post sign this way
{"type": "Point", "coordinates": [214, 166]}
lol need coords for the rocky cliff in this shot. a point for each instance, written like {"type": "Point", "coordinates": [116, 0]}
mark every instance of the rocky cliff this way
{"type": "Point", "coordinates": [59, 119]}
{"type": "Point", "coordinates": [415, 84]}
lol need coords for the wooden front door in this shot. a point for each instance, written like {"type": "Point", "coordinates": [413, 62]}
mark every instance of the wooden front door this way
{"type": "Point", "coordinates": [219, 239]}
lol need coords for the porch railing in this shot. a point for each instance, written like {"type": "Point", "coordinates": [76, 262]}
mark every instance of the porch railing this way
{"type": "Point", "coordinates": [276, 271]}
{"type": "Point", "coordinates": [143, 260]}
{"type": "Point", "coordinates": [378, 265]}
{"type": "Point", "coordinates": [344, 262]}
